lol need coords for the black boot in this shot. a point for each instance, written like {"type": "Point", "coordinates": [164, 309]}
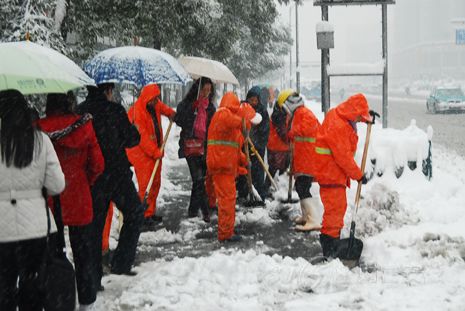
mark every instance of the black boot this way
{"type": "Point", "coordinates": [206, 214]}
{"type": "Point", "coordinates": [328, 244]}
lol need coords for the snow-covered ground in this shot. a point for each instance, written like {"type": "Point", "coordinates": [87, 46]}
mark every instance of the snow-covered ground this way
{"type": "Point", "coordinates": [414, 235]}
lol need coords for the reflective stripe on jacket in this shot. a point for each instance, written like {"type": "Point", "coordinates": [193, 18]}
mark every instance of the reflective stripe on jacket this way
{"type": "Point", "coordinates": [225, 139]}
{"type": "Point", "coordinates": [303, 132]}
{"type": "Point", "coordinates": [336, 143]}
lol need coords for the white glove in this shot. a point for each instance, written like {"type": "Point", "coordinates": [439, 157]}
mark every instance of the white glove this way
{"type": "Point", "coordinates": [256, 119]}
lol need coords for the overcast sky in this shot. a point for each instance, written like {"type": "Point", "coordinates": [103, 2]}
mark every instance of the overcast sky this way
{"type": "Point", "coordinates": [357, 31]}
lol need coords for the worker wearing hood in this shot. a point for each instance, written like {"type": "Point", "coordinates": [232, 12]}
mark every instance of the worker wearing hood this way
{"type": "Point", "coordinates": [146, 116]}
{"type": "Point", "coordinates": [225, 159]}
{"type": "Point", "coordinates": [335, 148]}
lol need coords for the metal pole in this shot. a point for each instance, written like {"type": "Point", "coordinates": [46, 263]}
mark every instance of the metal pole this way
{"type": "Point", "coordinates": [325, 96]}
{"type": "Point", "coordinates": [290, 53]}
{"type": "Point", "coordinates": [385, 75]}
{"type": "Point", "coordinates": [297, 70]}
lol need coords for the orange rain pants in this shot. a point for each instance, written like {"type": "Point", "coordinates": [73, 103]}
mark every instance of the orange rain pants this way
{"type": "Point", "coordinates": [107, 229]}
{"type": "Point", "coordinates": [143, 173]}
{"type": "Point", "coordinates": [210, 191]}
{"type": "Point", "coordinates": [335, 204]}
{"type": "Point", "coordinates": [225, 190]}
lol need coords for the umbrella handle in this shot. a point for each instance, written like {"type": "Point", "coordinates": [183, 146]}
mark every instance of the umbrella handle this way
{"type": "Point", "coordinates": [198, 88]}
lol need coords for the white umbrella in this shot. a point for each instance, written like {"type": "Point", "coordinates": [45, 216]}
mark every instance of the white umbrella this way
{"type": "Point", "coordinates": [204, 67]}
{"type": "Point", "coordinates": [33, 69]}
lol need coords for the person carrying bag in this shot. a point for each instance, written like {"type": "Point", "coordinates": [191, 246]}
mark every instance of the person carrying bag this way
{"type": "Point", "coordinates": [57, 280]}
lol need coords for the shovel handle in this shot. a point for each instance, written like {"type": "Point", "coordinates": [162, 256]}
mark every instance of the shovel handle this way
{"type": "Point", "coordinates": [260, 159]}
{"type": "Point", "coordinates": [249, 165]}
{"type": "Point", "coordinates": [364, 161]}
{"type": "Point", "coordinates": [291, 171]}
{"type": "Point", "coordinates": [157, 163]}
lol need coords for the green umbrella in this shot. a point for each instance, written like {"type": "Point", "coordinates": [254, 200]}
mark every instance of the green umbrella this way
{"type": "Point", "coordinates": [33, 69]}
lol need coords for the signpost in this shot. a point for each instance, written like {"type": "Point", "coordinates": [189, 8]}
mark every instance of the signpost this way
{"type": "Point", "coordinates": [351, 2]}
{"type": "Point", "coordinates": [325, 80]}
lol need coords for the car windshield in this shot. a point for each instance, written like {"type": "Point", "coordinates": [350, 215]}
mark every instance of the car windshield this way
{"type": "Point", "coordinates": [450, 92]}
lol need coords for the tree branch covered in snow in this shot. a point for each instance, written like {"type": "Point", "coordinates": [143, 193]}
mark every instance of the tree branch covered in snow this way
{"type": "Point", "coordinates": [33, 18]}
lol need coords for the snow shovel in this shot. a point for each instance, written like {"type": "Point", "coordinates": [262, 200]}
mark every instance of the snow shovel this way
{"type": "Point", "coordinates": [155, 168]}
{"type": "Point", "coordinates": [351, 249]}
{"type": "Point", "coordinates": [254, 198]}
{"type": "Point", "coordinates": [290, 200]}
{"type": "Point", "coordinates": [260, 159]}
{"type": "Point", "coordinates": [152, 177]}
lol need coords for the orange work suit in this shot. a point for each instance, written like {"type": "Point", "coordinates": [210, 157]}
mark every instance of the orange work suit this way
{"type": "Point", "coordinates": [304, 128]}
{"type": "Point", "coordinates": [224, 160]}
{"type": "Point", "coordinates": [335, 165]}
{"type": "Point", "coordinates": [146, 116]}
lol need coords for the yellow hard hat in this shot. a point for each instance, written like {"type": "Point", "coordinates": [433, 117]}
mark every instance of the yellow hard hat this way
{"type": "Point", "coordinates": [283, 95]}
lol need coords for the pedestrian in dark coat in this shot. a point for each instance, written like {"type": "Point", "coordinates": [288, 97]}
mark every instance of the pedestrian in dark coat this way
{"type": "Point", "coordinates": [193, 115]}
{"type": "Point", "coordinates": [259, 136]}
{"type": "Point", "coordinates": [82, 162]}
{"type": "Point", "coordinates": [114, 134]}
{"type": "Point", "coordinates": [28, 163]}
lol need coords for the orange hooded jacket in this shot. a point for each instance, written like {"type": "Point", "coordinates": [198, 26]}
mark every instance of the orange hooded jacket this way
{"type": "Point", "coordinates": [148, 148]}
{"type": "Point", "coordinates": [336, 143]}
{"type": "Point", "coordinates": [304, 129]}
{"type": "Point", "coordinates": [224, 155]}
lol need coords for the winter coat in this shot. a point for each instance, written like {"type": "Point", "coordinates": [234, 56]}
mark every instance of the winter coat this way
{"type": "Point", "coordinates": [185, 117]}
{"type": "Point", "coordinates": [336, 143]}
{"type": "Point", "coordinates": [225, 140]}
{"type": "Point", "coordinates": [279, 124]}
{"type": "Point", "coordinates": [147, 119]}
{"type": "Point", "coordinates": [82, 162]}
{"type": "Point", "coordinates": [259, 133]}
{"type": "Point", "coordinates": [113, 130]}
{"type": "Point", "coordinates": [304, 129]}
{"type": "Point", "coordinates": [27, 218]}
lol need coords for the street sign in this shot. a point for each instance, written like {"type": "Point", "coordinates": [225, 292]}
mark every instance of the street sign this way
{"type": "Point", "coordinates": [351, 2]}
{"type": "Point", "coordinates": [460, 36]}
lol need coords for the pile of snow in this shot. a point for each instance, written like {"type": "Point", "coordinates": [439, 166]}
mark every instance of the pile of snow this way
{"type": "Point", "coordinates": [392, 150]}
{"type": "Point", "coordinates": [159, 237]}
{"type": "Point", "coordinates": [359, 68]}
{"type": "Point", "coordinates": [380, 209]}
{"type": "Point", "coordinates": [257, 216]}
{"type": "Point", "coordinates": [324, 26]}
{"type": "Point", "coordinates": [190, 227]}
{"type": "Point", "coordinates": [434, 245]}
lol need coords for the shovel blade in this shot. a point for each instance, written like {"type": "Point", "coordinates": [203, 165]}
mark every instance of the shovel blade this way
{"type": "Point", "coordinates": [291, 201]}
{"type": "Point", "coordinates": [254, 203]}
{"type": "Point", "coordinates": [347, 250]}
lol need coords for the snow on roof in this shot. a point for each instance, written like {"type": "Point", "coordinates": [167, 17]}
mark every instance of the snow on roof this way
{"type": "Point", "coordinates": [324, 26]}
{"type": "Point", "coordinates": [357, 68]}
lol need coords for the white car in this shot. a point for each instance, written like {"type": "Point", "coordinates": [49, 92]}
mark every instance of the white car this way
{"type": "Point", "coordinates": [446, 99]}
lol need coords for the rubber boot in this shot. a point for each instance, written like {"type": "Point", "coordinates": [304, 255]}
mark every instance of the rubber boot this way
{"type": "Point", "coordinates": [328, 244]}
{"type": "Point", "coordinates": [309, 205]}
{"type": "Point", "coordinates": [301, 219]}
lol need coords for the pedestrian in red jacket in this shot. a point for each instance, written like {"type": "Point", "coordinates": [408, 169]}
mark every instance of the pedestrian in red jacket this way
{"type": "Point", "coordinates": [81, 160]}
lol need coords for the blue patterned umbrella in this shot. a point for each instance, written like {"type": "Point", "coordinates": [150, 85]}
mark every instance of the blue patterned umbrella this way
{"type": "Point", "coordinates": [135, 65]}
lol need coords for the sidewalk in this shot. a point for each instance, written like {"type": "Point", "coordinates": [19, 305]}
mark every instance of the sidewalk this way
{"type": "Point", "coordinates": [263, 230]}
